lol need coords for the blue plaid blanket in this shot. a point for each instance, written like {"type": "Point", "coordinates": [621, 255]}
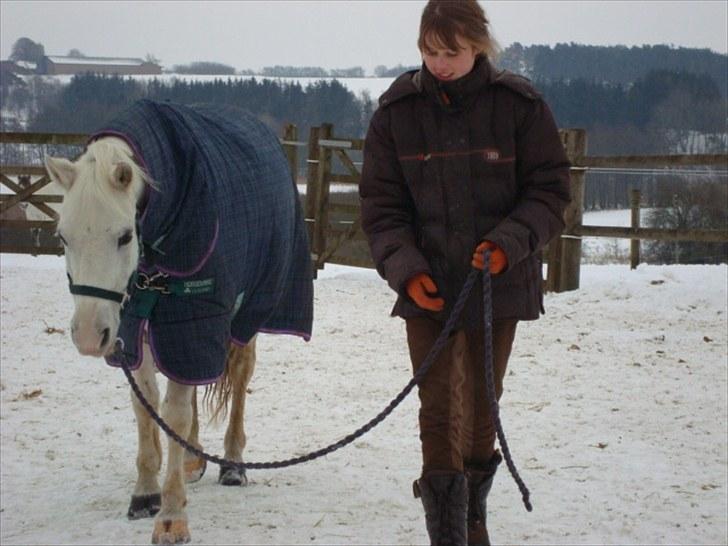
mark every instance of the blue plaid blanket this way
{"type": "Point", "coordinates": [222, 229]}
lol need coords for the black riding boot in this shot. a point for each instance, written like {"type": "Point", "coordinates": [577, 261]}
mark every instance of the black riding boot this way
{"type": "Point", "coordinates": [480, 480]}
{"type": "Point", "coordinates": [445, 498]}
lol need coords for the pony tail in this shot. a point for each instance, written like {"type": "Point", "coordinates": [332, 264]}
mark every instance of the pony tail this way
{"type": "Point", "coordinates": [216, 398]}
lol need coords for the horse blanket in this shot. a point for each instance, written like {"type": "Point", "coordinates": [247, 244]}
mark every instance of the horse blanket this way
{"type": "Point", "coordinates": [221, 230]}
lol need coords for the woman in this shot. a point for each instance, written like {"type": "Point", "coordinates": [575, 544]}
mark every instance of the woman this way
{"type": "Point", "coordinates": [460, 157]}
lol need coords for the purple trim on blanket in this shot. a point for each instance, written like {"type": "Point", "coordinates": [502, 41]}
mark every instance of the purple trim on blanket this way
{"type": "Point", "coordinates": [304, 335]}
{"type": "Point", "coordinates": [167, 373]}
{"type": "Point", "coordinates": [111, 361]}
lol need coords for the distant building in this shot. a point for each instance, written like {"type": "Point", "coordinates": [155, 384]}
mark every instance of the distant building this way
{"type": "Point", "coordinates": [26, 67]}
{"type": "Point", "coordinates": [56, 65]}
{"type": "Point", "coordinates": [11, 68]}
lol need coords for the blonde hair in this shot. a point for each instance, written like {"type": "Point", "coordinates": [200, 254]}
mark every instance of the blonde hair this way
{"type": "Point", "coordinates": [444, 20]}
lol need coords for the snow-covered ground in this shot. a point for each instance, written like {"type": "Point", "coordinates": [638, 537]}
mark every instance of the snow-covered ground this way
{"type": "Point", "coordinates": [615, 410]}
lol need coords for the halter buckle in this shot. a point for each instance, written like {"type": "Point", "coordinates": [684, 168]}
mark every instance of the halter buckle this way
{"type": "Point", "coordinates": [156, 281]}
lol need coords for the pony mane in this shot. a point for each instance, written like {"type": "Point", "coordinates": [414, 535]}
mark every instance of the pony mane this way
{"type": "Point", "coordinates": [102, 156]}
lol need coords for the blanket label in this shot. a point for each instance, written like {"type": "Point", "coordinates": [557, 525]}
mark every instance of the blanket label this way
{"type": "Point", "coordinates": [192, 288]}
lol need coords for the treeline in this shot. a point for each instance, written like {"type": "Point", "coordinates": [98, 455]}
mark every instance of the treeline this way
{"type": "Point", "coordinates": [661, 112]}
{"type": "Point", "coordinates": [383, 71]}
{"type": "Point", "coordinates": [89, 100]}
{"type": "Point", "coordinates": [279, 71]}
{"type": "Point", "coordinates": [564, 62]}
{"type": "Point", "coordinates": [611, 64]}
{"type": "Point", "coordinates": [204, 68]}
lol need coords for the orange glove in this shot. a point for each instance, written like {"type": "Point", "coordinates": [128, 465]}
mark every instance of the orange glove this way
{"type": "Point", "coordinates": [498, 259]}
{"type": "Point", "coordinates": [421, 288]}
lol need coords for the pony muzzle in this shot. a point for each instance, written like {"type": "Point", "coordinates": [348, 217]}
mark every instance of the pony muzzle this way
{"type": "Point", "coordinates": [92, 333]}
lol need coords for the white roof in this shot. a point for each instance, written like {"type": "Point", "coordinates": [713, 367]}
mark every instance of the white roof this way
{"type": "Point", "coordinates": [95, 60]}
{"type": "Point", "coordinates": [26, 64]}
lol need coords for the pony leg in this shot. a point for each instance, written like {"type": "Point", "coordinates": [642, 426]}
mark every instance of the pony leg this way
{"type": "Point", "coordinates": [146, 499]}
{"type": "Point", "coordinates": [194, 466]}
{"type": "Point", "coordinates": [241, 364]}
{"type": "Point", "coordinates": [170, 525]}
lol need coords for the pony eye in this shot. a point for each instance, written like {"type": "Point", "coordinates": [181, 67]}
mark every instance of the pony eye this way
{"type": "Point", "coordinates": [125, 239]}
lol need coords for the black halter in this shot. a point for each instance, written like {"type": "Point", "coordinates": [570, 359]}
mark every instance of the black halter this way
{"type": "Point", "coordinates": [94, 292]}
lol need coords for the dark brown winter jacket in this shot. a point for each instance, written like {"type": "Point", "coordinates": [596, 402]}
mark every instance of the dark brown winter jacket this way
{"type": "Point", "coordinates": [449, 164]}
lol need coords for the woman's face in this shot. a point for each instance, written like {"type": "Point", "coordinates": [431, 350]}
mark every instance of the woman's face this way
{"type": "Point", "coordinates": [446, 64]}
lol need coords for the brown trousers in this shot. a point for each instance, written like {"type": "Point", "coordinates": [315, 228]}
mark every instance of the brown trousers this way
{"type": "Point", "coordinates": [456, 430]}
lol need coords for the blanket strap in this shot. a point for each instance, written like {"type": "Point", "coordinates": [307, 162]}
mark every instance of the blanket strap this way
{"type": "Point", "coordinates": [149, 287]}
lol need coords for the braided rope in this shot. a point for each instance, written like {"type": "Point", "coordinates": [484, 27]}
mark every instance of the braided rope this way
{"type": "Point", "coordinates": [421, 372]}
{"type": "Point", "coordinates": [490, 385]}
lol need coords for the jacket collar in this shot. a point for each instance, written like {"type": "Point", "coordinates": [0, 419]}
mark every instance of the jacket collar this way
{"type": "Point", "coordinates": [457, 95]}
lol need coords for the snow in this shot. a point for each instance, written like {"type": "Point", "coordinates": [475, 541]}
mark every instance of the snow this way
{"type": "Point", "coordinates": [615, 409]}
{"type": "Point", "coordinates": [96, 60]}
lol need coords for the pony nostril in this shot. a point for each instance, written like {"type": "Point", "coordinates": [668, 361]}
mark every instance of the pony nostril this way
{"type": "Point", "coordinates": [104, 337]}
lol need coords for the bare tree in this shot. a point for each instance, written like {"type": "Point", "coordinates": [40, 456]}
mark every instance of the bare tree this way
{"type": "Point", "coordinates": [689, 204]}
{"type": "Point", "coordinates": [151, 58]}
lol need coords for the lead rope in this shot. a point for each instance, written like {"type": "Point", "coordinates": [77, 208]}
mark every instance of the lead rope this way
{"type": "Point", "coordinates": [490, 384]}
{"type": "Point", "coordinates": [426, 365]}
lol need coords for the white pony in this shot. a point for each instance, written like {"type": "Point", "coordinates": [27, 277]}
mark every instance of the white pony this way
{"type": "Point", "coordinates": [104, 231]}
{"type": "Point", "coordinates": [96, 226]}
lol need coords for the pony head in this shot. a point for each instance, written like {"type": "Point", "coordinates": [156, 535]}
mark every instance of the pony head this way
{"type": "Point", "coordinates": [97, 228]}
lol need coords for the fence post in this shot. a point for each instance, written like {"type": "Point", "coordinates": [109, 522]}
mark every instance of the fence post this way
{"type": "Point", "coordinates": [575, 143]}
{"type": "Point", "coordinates": [312, 165]}
{"type": "Point", "coordinates": [290, 134]}
{"type": "Point", "coordinates": [321, 196]}
{"type": "Point", "coordinates": [634, 245]}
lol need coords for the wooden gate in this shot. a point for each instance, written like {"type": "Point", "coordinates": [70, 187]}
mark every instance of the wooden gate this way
{"type": "Point", "coordinates": [33, 231]}
{"type": "Point", "coordinates": [333, 218]}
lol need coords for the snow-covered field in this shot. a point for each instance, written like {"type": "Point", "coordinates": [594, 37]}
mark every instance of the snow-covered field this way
{"type": "Point", "coordinates": [615, 410]}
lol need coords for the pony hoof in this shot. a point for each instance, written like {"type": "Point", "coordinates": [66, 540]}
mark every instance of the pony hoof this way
{"type": "Point", "coordinates": [230, 475]}
{"type": "Point", "coordinates": [195, 469]}
{"type": "Point", "coordinates": [169, 531]}
{"type": "Point", "coordinates": [144, 506]}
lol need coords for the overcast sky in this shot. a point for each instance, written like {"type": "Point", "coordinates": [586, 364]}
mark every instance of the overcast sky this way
{"type": "Point", "coordinates": [338, 33]}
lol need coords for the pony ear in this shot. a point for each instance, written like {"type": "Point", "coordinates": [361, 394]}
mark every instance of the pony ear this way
{"type": "Point", "coordinates": [122, 176]}
{"type": "Point", "coordinates": [61, 171]}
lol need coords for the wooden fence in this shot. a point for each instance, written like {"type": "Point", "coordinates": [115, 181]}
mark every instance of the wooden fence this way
{"type": "Point", "coordinates": [332, 217]}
